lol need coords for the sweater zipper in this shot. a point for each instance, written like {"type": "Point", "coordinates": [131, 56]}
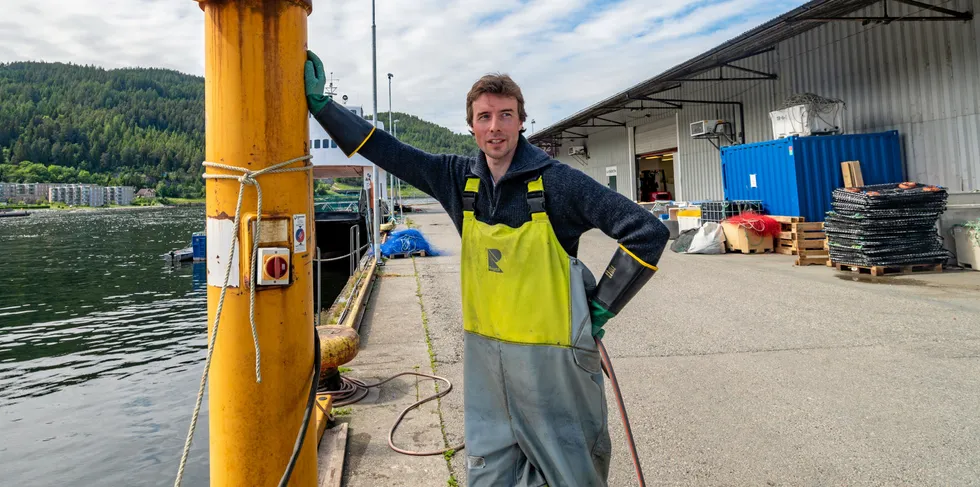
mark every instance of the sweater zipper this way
{"type": "Point", "coordinates": [496, 199]}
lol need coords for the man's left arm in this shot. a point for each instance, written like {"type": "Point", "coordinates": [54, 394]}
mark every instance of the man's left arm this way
{"type": "Point", "coordinates": [642, 238]}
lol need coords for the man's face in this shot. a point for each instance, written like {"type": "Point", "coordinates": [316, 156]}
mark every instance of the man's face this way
{"type": "Point", "coordinates": [496, 125]}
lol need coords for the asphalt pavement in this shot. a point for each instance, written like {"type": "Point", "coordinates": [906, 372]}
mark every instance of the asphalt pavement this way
{"type": "Point", "coordinates": [735, 370]}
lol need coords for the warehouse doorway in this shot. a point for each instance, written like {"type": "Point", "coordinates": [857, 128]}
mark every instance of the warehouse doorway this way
{"type": "Point", "coordinates": [655, 153]}
{"type": "Point", "coordinates": [655, 175]}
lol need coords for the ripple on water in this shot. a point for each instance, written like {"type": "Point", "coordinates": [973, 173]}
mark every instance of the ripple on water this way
{"type": "Point", "coordinates": [101, 348]}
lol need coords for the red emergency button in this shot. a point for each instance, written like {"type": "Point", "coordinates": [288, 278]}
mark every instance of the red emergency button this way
{"type": "Point", "coordinates": [275, 267]}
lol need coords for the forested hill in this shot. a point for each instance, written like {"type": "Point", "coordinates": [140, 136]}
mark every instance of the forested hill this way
{"type": "Point", "coordinates": [428, 136]}
{"type": "Point", "coordinates": [138, 127]}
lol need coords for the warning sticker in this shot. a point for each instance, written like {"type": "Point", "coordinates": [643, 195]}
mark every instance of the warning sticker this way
{"type": "Point", "coordinates": [299, 234]}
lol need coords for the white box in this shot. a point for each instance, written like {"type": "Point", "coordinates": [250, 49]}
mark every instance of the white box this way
{"type": "Point", "coordinates": [967, 251]}
{"type": "Point", "coordinates": [688, 223]}
{"type": "Point", "coordinates": [801, 120]}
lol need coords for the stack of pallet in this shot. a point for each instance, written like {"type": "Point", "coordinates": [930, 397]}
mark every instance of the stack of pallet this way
{"type": "Point", "coordinates": [806, 240]}
{"type": "Point", "coordinates": [887, 228]}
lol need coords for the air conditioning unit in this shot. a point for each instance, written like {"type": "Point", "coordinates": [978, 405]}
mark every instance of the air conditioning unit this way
{"type": "Point", "coordinates": [702, 128]}
{"type": "Point", "coordinates": [576, 150]}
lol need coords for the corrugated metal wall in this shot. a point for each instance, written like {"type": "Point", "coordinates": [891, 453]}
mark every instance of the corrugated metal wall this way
{"type": "Point", "coordinates": [920, 78]}
{"type": "Point", "coordinates": [607, 148]}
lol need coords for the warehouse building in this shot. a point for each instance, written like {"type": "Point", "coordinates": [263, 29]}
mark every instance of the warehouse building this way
{"type": "Point", "coordinates": [910, 66]}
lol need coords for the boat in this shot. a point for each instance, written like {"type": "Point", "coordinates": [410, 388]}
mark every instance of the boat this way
{"type": "Point", "coordinates": [180, 255]}
{"type": "Point", "coordinates": [12, 213]}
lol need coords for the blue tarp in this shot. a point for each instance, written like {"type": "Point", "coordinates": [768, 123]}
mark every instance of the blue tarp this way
{"type": "Point", "coordinates": [406, 241]}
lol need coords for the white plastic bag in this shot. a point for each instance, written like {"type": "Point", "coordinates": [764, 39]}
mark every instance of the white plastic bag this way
{"type": "Point", "coordinates": [710, 239]}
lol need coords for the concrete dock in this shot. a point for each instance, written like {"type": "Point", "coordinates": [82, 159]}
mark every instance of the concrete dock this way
{"type": "Point", "coordinates": [735, 369]}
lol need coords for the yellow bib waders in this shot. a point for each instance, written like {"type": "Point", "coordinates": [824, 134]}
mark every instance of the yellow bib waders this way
{"type": "Point", "coordinates": [535, 407]}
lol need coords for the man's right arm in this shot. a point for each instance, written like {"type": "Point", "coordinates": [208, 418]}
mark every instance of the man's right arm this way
{"type": "Point", "coordinates": [431, 173]}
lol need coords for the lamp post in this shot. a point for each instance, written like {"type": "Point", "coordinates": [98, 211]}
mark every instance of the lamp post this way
{"type": "Point", "coordinates": [532, 125]}
{"type": "Point", "coordinates": [376, 224]}
{"type": "Point", "coordinates": [399, 181]}
{"type": "Point", "coordinates": [392, 128]}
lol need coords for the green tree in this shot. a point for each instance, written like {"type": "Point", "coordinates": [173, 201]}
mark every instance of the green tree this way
{"type": "Point", "coordinates": [67, 123]}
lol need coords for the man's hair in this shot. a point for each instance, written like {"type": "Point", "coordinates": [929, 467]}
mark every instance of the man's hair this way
{"type": "Point", "coordinates": [497, 84]}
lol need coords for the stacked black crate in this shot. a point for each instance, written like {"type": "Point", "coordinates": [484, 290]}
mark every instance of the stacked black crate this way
{"type": "Point", "coordinates": [886, 225]}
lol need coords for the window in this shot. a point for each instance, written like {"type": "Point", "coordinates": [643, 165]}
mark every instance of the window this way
{"type": "Point", "coordinates": [333, 145]}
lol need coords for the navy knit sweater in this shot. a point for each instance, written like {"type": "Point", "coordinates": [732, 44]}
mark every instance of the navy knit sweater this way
{"type": "Point", "coordinates": [575, 202]}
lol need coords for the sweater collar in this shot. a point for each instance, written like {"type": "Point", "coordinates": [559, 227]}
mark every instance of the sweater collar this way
{"type": "Point", "coordinates": [527, 158]}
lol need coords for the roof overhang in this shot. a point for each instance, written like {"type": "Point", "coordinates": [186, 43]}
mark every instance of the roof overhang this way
{"type": "Point", "coordinates": [641, 99]}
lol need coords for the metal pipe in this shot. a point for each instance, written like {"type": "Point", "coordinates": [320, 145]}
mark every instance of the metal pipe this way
{"type": "Point", "coordinates": [256, 118]}
{"type": "Point", "coordinates": [319, 287]}
{"type": "Point", "coordinates": [376, 193]}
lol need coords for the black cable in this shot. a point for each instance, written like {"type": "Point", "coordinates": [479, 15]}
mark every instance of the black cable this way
{"type": "Point", "coordinates": [306, 415]}
{"type": "Point", "coordinates": [353, 390]}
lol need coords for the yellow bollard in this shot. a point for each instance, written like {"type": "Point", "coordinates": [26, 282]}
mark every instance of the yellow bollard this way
{"type": "Point", "coordinates": [256, 117]}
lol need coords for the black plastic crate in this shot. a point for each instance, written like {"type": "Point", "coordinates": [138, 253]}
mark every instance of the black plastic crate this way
{"type": "Point", "coordinates": [716, 211]}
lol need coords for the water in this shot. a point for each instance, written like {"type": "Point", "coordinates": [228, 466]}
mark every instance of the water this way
{"type": "Point", "coordinates": [101, 348]}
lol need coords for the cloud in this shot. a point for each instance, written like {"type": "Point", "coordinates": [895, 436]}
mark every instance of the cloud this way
{"type": "Point", "coordinates": [565, 54]}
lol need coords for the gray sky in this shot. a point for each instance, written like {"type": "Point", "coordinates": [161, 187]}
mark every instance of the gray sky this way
{"type": "Point", "coordinates": [565, 54]}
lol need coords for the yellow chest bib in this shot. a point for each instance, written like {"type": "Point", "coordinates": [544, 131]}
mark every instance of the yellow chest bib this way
{"type": "Point", "coordinates": [515, 281]}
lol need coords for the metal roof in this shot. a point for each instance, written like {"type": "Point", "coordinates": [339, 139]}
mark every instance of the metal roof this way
{"type": "Point", "coordinates": [756, 41]}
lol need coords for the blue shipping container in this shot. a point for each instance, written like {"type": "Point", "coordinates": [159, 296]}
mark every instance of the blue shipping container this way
{"type": "Point", "coordinates": [199, 245]}
{"type": "Point", "coordinates": [795, 176]}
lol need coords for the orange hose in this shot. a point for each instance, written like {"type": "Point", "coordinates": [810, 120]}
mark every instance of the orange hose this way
{"type": "Point", "coordinates": [607, 367]}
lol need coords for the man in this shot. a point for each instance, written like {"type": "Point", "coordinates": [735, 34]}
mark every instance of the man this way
{"type": "Point", "coordinates": [534, 403]}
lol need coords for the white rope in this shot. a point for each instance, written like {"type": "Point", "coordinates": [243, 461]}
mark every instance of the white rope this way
{"type": "Point", "coordinates": [248, 178]}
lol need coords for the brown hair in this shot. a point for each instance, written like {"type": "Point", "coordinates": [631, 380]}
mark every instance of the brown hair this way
{"type": "Point", "coordinates": [497, 84]}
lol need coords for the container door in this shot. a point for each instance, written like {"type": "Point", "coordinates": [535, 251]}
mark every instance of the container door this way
{"type": "Point", "coordinates": [764, 171]}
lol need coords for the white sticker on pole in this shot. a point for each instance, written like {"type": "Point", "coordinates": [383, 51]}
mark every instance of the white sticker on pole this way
{"type": "Point", "coordinates": [220, 233]}
{"type": "Point", "coordinates": [752, 181]}
{"type": "Point", "coordinates": [299, 234]}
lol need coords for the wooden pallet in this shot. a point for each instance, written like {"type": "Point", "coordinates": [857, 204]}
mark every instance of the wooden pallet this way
{"type": "Point", "coordinates": [889, 270]}
{"type": "Point", "coordinates": [732, 250]}
{"type": "Point", "coordinates": [806, 240]}
{"type": "Point", "coordinates": [406, 255]}
{"type": "Point", "coordinates": [788, 219]}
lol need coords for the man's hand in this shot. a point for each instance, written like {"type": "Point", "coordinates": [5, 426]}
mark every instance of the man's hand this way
{"type": "Point", "coordinates": [316, 81]}
{"type": "Point", "coordinates": [600, 316]}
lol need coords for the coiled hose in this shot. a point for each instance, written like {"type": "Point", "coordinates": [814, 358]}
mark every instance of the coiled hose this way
{"type": "Point", "coordinates": [353, 390]}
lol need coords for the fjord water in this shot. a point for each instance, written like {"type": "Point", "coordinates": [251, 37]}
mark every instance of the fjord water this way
{"type": "Point", "coordinates": [101, 348]}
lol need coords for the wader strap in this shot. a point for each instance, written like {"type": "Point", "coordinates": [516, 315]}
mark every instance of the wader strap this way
{"type": "Point", "coordinates": [469, 194]}
{"type": "Point", "coordinates": [535, 195]}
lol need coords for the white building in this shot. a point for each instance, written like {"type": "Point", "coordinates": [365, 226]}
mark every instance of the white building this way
{"type": "Point", "coordinates": [119, 195]}
{"type": "Point", "coordinates": [78, 194]}
{"type": "Point", "coordinates": [910, 66]}
{"type": "Point", "coordinates": [30, 193]}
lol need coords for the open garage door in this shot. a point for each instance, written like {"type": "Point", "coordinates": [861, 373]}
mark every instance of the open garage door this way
{"type": "Point", "coordinates": [656, 153]}
{"type": "Point", "coordinates": [656, 136]}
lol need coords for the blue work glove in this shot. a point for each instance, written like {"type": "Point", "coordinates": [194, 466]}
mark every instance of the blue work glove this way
{"type": "Point", "coordinates": [600, 316]}
{"type": "Point", "coordinates": [316, 81]}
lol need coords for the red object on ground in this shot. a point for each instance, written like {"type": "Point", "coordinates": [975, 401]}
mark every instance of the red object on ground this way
{"type": "Point", "coordinates": [760, 224]}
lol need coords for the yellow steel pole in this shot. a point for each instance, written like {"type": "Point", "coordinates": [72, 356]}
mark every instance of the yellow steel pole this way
{"type": "Point", "coordinates": [256, 117]}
